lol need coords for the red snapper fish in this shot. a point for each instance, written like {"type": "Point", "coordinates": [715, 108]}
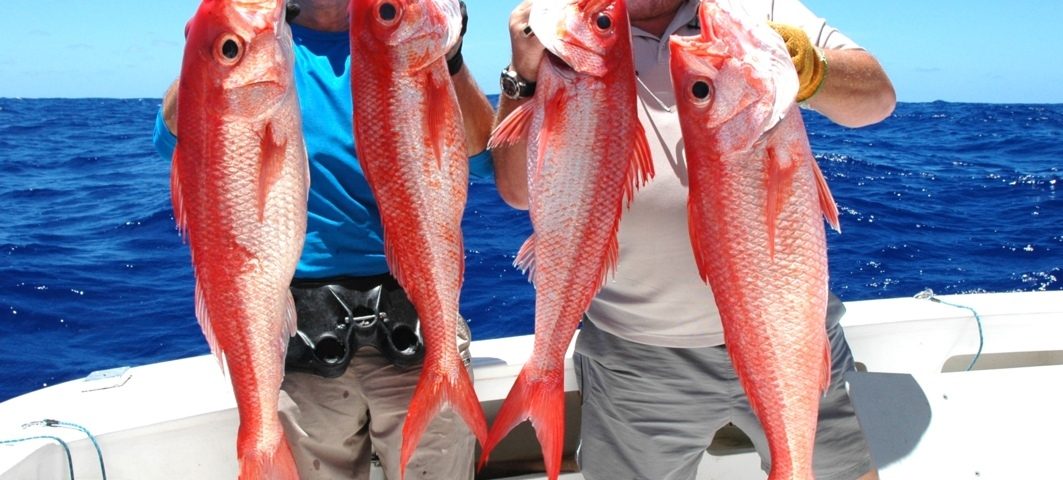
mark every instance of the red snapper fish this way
{"type": "Point", "coordinates": [239, 186]}
{"type": "Point", "coordinates": [755, 200]}
{"type": "Point", "coordinates": [411, 145]}
{"type": "Point", "coordinates": [586, 152]}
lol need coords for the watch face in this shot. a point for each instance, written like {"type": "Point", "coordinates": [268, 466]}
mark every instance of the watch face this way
{"type": "Point", "coordinates": [510, 87]}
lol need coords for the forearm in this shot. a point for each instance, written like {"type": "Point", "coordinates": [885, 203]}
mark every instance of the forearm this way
{"type": "Point", "coordinates": [476, 111]}
{"type": "Point", "coordinates": [169, 107]}
{"type": "Point", "coordinates": [510, 162]}
{"type": "Point", "coordinates": [856, 91]}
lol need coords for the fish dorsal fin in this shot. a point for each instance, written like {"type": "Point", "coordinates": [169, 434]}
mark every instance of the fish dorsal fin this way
{"type": "Point", "coordinates": [826, 199]}
{"type": "Point", "coordinates": [525, 260]}
{"type": "Point", "coordinates": [641, 169]}
{"type": "Point", "coordinates": [272, 166]}
{"type": "Point", "coordinates": [779, 187]}
{"type": "Point", "coordinates": [177, 197]}
{"type": "Point", "coordinates": [513, 128]}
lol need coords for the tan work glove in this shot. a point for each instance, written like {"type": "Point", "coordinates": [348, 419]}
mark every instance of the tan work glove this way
{"type": "Point", "coordinates": [809, 61]}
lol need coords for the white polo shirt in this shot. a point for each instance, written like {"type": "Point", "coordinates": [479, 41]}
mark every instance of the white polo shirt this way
{"type": "Point", "coordinates": [656, 296]}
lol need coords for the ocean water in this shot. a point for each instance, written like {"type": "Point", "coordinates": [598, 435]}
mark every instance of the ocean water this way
{"type": "Point", "coordinates": [954, 197]}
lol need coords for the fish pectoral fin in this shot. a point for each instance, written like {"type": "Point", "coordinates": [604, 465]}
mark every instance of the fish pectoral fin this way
{"type": "Point", "coordinates": [271, 166]}
{"type": "Point", "coordinates": [826, 199]}
{"type": "Point", "coordinates": [641, 169]}
{"type": "Point", "coordinates": [779, 187]}
{"type": "Point", "coordinates": [525, 260]}
{"type": "Point", "coordinates": [513, 128]}
{"type": "Point", "coordinates": [441, 116]}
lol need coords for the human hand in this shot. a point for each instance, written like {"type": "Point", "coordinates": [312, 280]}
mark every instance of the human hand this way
{"type": "Point", "coordinates": [810, 62]}
{"type": "Point", "coordinates": [527, 52]}
{"type": "Point", "coordinates": [456, 49]}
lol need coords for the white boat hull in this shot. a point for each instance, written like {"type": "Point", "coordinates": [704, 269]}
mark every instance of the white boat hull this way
{"type": "Point", "coordinates": [924, 419]}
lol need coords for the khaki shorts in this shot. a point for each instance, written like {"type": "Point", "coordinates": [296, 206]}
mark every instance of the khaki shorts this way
{"type": "Point", "coordinates": [650, 412]}
{"type": "Point", "coordinates": [334, 425]}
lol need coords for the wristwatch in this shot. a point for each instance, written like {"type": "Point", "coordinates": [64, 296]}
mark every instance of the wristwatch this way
{"type": "Point", "coordinates": [513, 86]}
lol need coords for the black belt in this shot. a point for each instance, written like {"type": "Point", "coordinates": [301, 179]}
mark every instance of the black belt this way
{"type": "Point", "coordinates": [337, 316]}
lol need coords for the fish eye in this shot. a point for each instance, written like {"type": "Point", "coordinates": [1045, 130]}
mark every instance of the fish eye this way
{"type": "Point", "coordinates": [701, 91]}
{"type": "Point", "coordinates": [388, 11]}
{"type": "Point", "coordinates": [604, 22]}
{"type": "Point", "coordinates": [228, 49]}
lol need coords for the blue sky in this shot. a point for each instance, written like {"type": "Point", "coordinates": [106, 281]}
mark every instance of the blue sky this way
{"type": "Point", "coordinates": [962, 51]}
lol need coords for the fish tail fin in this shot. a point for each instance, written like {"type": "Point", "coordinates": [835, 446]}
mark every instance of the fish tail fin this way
{"type": "Point", "coordinates": [826, 199]}
{"type": "Point", "coordinates": [434, 390]}
{"type": "Point", "coordinates": [543, 402]}
{"type": "Point", "coordinates": [276, 465]}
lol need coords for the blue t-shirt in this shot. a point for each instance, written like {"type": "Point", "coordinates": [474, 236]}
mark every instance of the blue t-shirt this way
{"type": "Point", "coordinates": [343, 232]}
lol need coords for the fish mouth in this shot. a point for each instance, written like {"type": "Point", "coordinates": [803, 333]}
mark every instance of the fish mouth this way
{"type": "Point", "coordinates": [580, 58]}
{"type": "Point", "coordinates": [562, 68]}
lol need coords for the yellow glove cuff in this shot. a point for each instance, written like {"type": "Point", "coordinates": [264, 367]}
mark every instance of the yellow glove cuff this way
{"type": "Point", "coordinates": [810, 62]}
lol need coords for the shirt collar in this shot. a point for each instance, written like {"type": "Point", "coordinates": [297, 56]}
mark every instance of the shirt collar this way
{"type": "Point", "coordinates": [685, 16]}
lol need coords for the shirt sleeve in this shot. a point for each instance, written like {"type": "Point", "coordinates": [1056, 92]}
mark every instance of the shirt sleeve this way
{"type": "Point", "coordinates": [822, 35]}
{"type": "Point", "coordinates": [164, 141]}
{"type": "Point", "coordinates": [480, 167]}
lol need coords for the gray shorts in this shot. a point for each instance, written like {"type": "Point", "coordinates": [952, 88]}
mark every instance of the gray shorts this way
{"type": "Point", "coordinates": [650, 412]}
{"type": "Point", "coordinates": [334, 425]}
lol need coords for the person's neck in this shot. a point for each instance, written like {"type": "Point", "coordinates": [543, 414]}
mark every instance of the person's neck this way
{"type": "Point", "coordinates": [655, 25]}
{"type": "Point", "coordinates": [323, 15]}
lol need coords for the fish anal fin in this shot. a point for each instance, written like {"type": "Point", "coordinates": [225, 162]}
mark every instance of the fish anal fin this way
{"type": "Point", "coordinates": [694, 230]}
{"type": "Point", "coordinates": [513, 128]}
{"type": "Point", "coordinates": [177, 196]}
{"type": "Point", "coordinates": [434, 390]}
{"type": "Point", "coordinates": [203, 316]}
{"type": "Point", "coordinates": [826, 199]}
{"type": "Point", "coordinates": [541, 400]}
{"type": "Point", "coordinates": [272, 167]}
{"type": "Point", "coordinates": [525, 260]}
{"type": "Point", "coordinates": [824, 381]}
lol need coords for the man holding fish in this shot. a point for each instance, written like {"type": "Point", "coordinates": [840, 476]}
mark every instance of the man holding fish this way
{"type": "Point", "coordinates": [339, 403]}
{"type": "Point", "coordinates": [656, 377]}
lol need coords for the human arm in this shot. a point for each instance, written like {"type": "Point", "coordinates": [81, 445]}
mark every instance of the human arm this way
{"type": "Point", "coordinates": [838, 78]}
{"type": "Point", "coordinates": [856, 91]}
{"type": "Point", "coordinates": [510, 162]}
{"type": "Point", "coordinates": [166, 123]}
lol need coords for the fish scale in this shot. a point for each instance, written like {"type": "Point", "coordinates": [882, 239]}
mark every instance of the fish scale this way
{"type": "Point", "coordinates": [755, 207]}
{"type": "Point", "coordinates": [410, 142]}
{"type": "Point", "coordinates": [586, 153]}
{"type": "Point", "coordinates": [239, 186]}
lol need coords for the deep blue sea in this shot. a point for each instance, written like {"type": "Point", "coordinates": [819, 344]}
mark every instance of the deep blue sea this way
{"type": "Point", "coordinates": [954, 197]}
